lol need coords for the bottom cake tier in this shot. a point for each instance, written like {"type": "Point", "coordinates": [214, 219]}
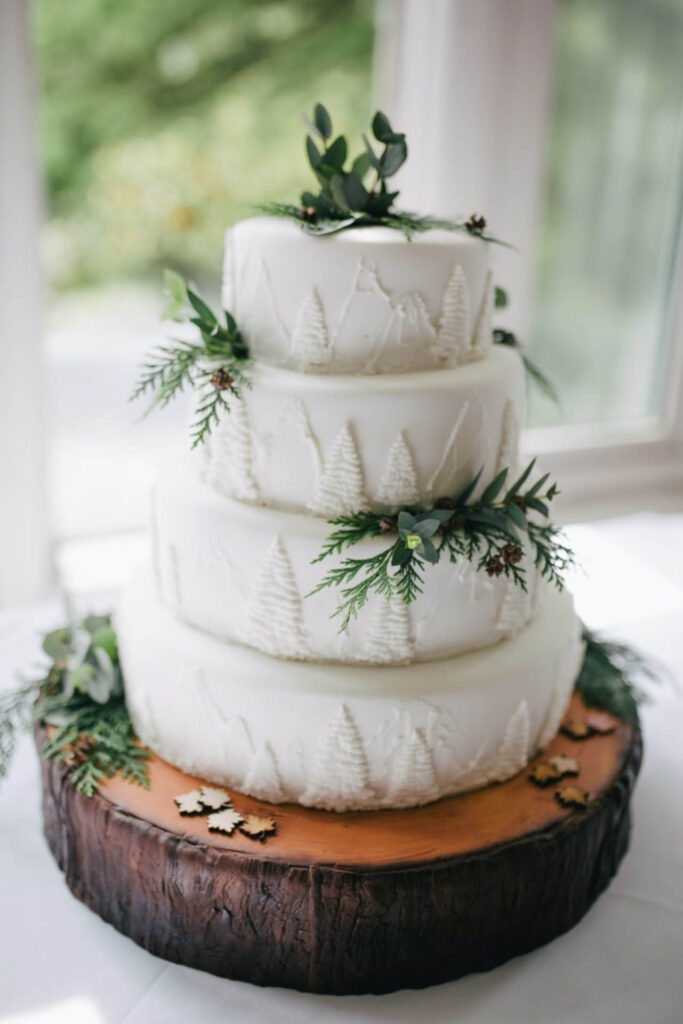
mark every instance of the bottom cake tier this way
{"type": "Point", "coordinates": [337, 736]}
{"type": "Point", "coordinates": [350, 903]}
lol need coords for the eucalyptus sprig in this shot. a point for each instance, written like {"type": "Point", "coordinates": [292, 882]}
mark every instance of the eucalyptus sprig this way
{"type": "Point", "coordinates": [488, 531]}
{"type": "Point", "coordinates": [359, 195]}
{"type": "Point", "coordinates": [81, 697]}
{"type": "Point", "coordinates": [214, 365]}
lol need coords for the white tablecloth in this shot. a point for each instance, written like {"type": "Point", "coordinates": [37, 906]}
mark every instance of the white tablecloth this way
{"type": "Point", "coordinates": [623, 964]}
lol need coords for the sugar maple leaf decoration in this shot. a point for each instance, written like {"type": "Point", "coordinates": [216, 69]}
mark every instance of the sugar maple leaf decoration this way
{"type": "Point", "coordinates": [214, 799]}
{"type": "Point", "coordinates": [545, 773]}
{"type": "Point", "coordinates": [572, 796]}
{"type": "Point", "coordinates": [565, 765]}
{"type": "Point", "coordinates": [225, 821]}
{"type": "Point", "coordinates": [575, 729]}
{"type": "Point", "coordinates": [189, 803]}
{"type": "Point", "coordinates": [256, 827]}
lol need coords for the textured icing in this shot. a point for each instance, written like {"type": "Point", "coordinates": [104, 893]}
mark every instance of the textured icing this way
{"type": "Point", "coordinates": [340, 736]}
{"type": "Point", "coordinates": [363, 301]}
{"type": "Point", "coordinates": [334, 444]}
{"type": "Point", "coordinates": [245, 571]}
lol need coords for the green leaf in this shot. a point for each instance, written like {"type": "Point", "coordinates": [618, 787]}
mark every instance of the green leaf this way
{"type": "Point", "coordinates": [515, 513]}
{"type": "Point", "coordinates": [393, 158]}
{"type": "Point", "coordinates": [426, 527]}
{"type": "Point", "coordinates": [520, 481]}
{"type": "Point", "coordinates": [381, 127]}
{"type": "Point", "coordinates": [401, 555]}
{"type": "Point", "coordinates": [314, 155]}
{"type": "Point", "coordinates": [105, 638]}
{"type": "Point", "coordinates": [356, 192]}
{"type": "Point", "coordinates": [361, 165]}
{"type": "Point", "coordinates": [339, 192]}
{"type": "Point", "coordinates": [469, 489]}
{"type": "Point", "coordinates": [372, 156]}
{"type": "Point", "coordinates": [491, 492]}
{"type": "Point", "coordinates": [57, 644]}
{"type": "Point", "coordinates": [176, 293]}
{"type": "Point", "coordinates": [429, 551]}
{"type": "Point", "coordinates": [501, 298]}
{"type": "Point", "coordinates": [533, 491]}
{"type": "Point", "coordinates": [322, 121]}
{"type": "Point", "coordinates": [202, 309]}
{"type": "Point", "coordinates": [335, 156]}
{"type": "Point", "coordinates": [406, 521]}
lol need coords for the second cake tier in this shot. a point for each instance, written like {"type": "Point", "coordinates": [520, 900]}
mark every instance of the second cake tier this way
{"type": "Point", "coordinates": [243, 572]}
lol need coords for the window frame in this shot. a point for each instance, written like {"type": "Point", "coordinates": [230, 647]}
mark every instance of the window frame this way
{"type": "Point", "coordinates": [425, 49]}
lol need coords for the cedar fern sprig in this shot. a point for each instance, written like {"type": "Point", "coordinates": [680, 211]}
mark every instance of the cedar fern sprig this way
{"type": "Point", "coordinates": [81, 698]}
{"type": "Point", "coordinates": [487, 531]}
{"type": "Point", "coordinates": [536, 374]}
{"type": "Point", "coordinates": [609, 677]}
{"type": "Point", "coordinates": [216, 366]}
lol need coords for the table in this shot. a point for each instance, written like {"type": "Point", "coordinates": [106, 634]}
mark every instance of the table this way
{"type": "Point", "coordinates": [623, 964]}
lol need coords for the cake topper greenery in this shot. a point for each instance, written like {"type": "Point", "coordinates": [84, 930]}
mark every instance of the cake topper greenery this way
{"type": "Point", "coordinates": [80, 699]}
{"type": "Point", "coordinates": [359, 194]}
{"type": "Point", "coordinates": [488, 531]}
{"type": "Point", "coordinates": [214, 365]}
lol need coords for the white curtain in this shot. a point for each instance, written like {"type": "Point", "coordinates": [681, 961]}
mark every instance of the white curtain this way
{"type": "Point", "coordinates": [24, 537]}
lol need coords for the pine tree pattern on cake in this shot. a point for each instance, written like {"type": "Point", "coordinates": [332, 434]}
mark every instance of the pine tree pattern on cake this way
{"type": "Point", "coordinates": [398, 487]}
{"type": "Point", "coordinates": [482, 335]}
{"type": "Point", "coordinates": [516, 604]}
{"type": "Point", "coordinates": [339, 779]}
{"type": "Point", "coordinates": [508, 451]}
{"type": "Point", "coordinates": [453, 333]}
{"type": "Point", "coordinates": [413, 778]}
{"type": "Point", "coordinates": [310, 339]}
{"type": "Point", "coordinates": [274, 612]}
{"type": "Point", "coordinates": [513, 753]}
{"type": "Point", "coordinates": [230, 463]}
{"type": "Point", "coordinates": [263, 779]}
{"type": "Point", "coordinates": [388, 640]}
{"type": "Point", "coordinates": [340, 489]}
{"type": "Point", "coordinates": [558, 705]}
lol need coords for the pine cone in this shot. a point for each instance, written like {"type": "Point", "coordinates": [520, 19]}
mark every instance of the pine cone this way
{"type": "Point", "coordinates": [386, 526]}
{"type": "Point", "coordinates": [511, 554]}
{"type": "Point", "coordinates": [79, 750]}
{"type": "Point", "coordinates": [494, 566]}
{"type": "Point", "coordinates": [221, 379]}
{"type": "Point", "coordinates": [307, 213]}
{"type": "Point", "coordinates": [476, 224]}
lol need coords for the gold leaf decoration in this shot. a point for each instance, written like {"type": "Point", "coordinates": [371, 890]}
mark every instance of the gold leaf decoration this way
{"type": "Point", "coordinates": [189, 803]}
{"type": "Point", "coordinates": [572, 796]}
{"type": "Point", "coordinates": [545, 773]}
{"type": "Point", "coordinates": [257, 827]}
{"type": "Point", "coordinates": [214, 799]}
{"type": "Point", "coordinates": [565, 765]}
{"type": "Point", "coordinates": [225, 821]}
{"type": "Point", "coordinates": [575, 729]}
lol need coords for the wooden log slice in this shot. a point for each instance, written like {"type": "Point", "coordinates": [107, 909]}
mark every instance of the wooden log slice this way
{"type": "Point", "coordinates": [356, 902]}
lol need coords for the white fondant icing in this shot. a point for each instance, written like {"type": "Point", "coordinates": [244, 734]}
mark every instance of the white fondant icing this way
{"type": "Point", "coordinates": [231, 457]}
{"type": "Point", "coordinates": [452, 420]}
{"type": "Point", "coordinates": [274, 615]}
{"type": "Point", "coordinates": [389, 640]}
{"type": "Point", "coordinates": [340, 489]}
{"type": "Point", "coordinates": [457, 610]}
{"type": "Point", "coordinates": [478, 716]}
{"type": "Point", "coordinates": [310, 340]}
{"type": "Point", "coordinates": [263, 779]}
{"type": "Point", "coordinates": [339, 778]}
{"type": "Point", "coordinates": [380, 298]}
{"type": "Point", "coordinates": [482, 335]}
{"type": "Point", "coordinates": [453, 335]}
{"type": "Point", "coordinates": [398, 486]}
{"type": "Point", "coordinates": [412, 779]}
{"type": "Point", "coordinates": [508, 450]}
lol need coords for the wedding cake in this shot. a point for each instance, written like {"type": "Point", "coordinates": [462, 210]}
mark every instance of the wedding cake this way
{"type": "Point", "coordinates": [374, 386]}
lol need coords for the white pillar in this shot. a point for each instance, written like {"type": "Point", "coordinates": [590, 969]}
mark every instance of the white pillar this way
{"type": "Point", "coordinates": [468, 81]}
{"type": "Point", "coordinates": [25, 573]}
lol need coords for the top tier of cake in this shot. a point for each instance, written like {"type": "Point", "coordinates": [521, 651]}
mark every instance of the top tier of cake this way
{"type": "Point", "coordinates": [362, 301]}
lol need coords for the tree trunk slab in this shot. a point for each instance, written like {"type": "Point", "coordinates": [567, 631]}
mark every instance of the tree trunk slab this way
{"type": "Point", "coordinates": [355, 902]}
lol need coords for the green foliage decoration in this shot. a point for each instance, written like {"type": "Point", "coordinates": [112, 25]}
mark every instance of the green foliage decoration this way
{"type": "Point", "coordinates": [535, 373]}
{"type": "Point", "coordinates": [487, 530]}
{"type": "Point", "coordinates": [214, 365]}
{"type": "Point", "coordinates": [81, 698]}
{"type": "Point", "coordinates": [609, 677]}
{"type": "Point", "coordinates": [359, 195]}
